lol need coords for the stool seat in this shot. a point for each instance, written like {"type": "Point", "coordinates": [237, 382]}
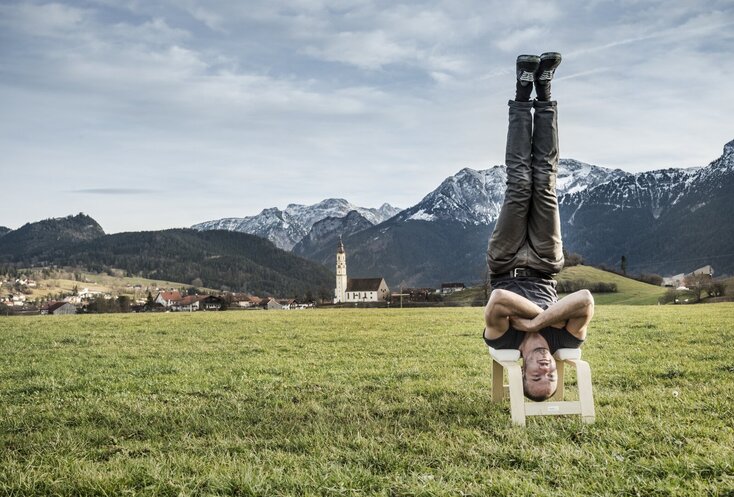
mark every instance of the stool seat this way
{"type": "Point", "coordinates": [506, 360]}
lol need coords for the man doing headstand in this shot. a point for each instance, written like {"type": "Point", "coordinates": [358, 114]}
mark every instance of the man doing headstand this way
{"type": "Point", "coordinates": [525, 249]}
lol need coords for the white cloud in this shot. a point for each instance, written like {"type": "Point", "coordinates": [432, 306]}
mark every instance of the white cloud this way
{"type": "Point", "coordinates": [369, 50]}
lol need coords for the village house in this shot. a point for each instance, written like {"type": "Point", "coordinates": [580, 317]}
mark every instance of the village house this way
{"type": "Point", "coordinates": [58, 308]}
{"type": "Point", "coordinates": [242, 300]}
{"type": "Point", "coordinates": [678, 280]}
{"type": "Point", "coordinates": [191, 303]}
{"type": "Point", "coordinates": [168, 298]}
{"type": "Point", "coordinates": [270, 303]}
{"type": "Point", "coordinates": [86, 293]}
{"type": "Point", "coordinates": [447, 288]}
{"type": "Point", "coordinates": [356, 289]}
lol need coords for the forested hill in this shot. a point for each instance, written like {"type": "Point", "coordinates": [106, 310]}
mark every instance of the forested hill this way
{"type": "Point", "coordinates": [39, 239]}
{"type": "Point", "coordinates": [220, 259]}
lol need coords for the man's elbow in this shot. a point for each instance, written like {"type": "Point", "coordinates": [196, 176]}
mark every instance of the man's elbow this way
{"type": "Point", "coordinates": [586, 300]}
{"type": "Point", "coordinates": [586, 297]}
{"type": "Point", "coordinates": [498, 296]}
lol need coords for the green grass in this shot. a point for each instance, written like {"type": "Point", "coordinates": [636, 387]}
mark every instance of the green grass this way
{"type": "Point", "coordinates": [355, 402]}
{"type": "Point", "coordinates": [629, 291]}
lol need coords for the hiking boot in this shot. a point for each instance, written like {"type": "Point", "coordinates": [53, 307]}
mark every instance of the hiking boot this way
{"type": "Point", "coordinates": [549, 61]}
{"type": "Point", "coordinates": [526, 66]}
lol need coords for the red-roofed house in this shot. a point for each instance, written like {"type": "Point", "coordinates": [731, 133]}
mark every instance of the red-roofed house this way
{"type": "Point", "coordinates": [168, 299]}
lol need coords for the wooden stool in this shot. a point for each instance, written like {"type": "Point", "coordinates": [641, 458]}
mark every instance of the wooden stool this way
{"type": "Point", "coordinates": [507, 359]}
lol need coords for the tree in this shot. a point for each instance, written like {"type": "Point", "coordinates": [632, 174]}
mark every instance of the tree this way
{"type": "Point", "coordinates": [325, 295]}
{"type": "Point", "coordinates": [698, 283]}
{"type": "Point", "coordinates": [123, 303]}
{"type": "Point", "coordinates": [486, 283]}
{"type": "Point", "coordinates": [571, 259]}
{"type": "Point", "coordinates": [623, 265]}
{"type": "Point", "coordinates": [669, 298]}
{"type": "Point", "coordinates": [718, 289]}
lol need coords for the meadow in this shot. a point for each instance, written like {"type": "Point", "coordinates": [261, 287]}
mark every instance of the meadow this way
{"type": "Point", "coordinates": [389, 402]}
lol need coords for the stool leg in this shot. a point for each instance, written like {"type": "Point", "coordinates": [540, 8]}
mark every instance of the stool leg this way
{"type": "Point", "coordinates": [517, 398]}
{"type": "Point", "coordinates": [561, 386]}
{"type": "Point", "coordinates": [586, 393]}
{"type": "Point", "coordinates": [498, 389]}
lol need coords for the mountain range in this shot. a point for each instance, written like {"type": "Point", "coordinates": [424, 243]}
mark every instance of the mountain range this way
{"type": "Point", "coordinates": [665, 221]}
{"type": "Point", "coordinates": [285, 228]}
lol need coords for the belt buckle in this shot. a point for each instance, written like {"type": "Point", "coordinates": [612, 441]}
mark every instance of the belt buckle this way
{"type": "Point", "coordinates": [519, 271]}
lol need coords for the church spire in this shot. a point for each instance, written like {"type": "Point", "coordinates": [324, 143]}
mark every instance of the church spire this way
{"type": "Point", "coordinates": [340, 292]}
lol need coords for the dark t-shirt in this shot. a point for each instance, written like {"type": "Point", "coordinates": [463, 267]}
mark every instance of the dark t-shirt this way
{"type": "Point", "coordinates": [541, 292]}
{"type": "Point", "coordinates": [557, 338]}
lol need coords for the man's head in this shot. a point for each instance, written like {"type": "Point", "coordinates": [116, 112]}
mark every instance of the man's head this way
{"type": "Point", "coordinates": [539, 376]}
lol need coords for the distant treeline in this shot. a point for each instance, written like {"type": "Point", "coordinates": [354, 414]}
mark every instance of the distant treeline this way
{"type": "Point", "coordinates": [570, 286]}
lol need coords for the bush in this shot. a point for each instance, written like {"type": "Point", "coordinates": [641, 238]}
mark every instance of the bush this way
{"type": "Point", "coordinates": [669, 296]}
{"type": "Point", "coordinates": [571, 259]}
{"type": "Point", "coordinates": [570, 286]}
{"type": "Point", "coordinates": [653, 279]}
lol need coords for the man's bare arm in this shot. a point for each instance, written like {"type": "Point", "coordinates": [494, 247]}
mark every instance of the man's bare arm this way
{"type": "Point", "coordinates": [574, 310]}
{"type": "Point", "coordinates": [502, 306]}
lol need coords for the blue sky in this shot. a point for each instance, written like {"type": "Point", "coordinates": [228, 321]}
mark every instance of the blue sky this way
{"type": "Point", "coordinates": [150, 114]}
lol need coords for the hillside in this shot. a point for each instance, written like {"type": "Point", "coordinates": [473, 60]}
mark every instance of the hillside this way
{"type": "Point", "coordinates": [220, 259]}
{"type": "Point", "coordinates": [132, 286]}
{"type": "Point", "coordinates": [629, 291]}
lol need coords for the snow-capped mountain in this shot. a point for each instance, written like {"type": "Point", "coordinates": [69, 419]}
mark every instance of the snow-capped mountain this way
{"type": "Point", "coordinates": [475, 197]}
{"type": "Point", "coordinates": [666, 221]}
{"type": "Point", "coordinates": [652, 191]}
{"type": "Point", "coordinates": [285, 228]}
{"type": "Point", "coordinates": [324, 234]}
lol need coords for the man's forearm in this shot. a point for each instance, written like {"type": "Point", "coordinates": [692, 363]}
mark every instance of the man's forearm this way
{"type": "Point", "coordinates": [578, 305]}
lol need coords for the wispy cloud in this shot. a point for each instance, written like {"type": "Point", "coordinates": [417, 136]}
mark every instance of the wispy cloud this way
{"type": "Point", "coordinates": [113, 191]}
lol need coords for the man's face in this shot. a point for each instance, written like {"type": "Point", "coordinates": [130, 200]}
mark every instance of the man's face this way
{"type": "Point", "coordinates": [540, 377]}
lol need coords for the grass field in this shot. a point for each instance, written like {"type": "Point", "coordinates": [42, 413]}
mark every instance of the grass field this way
{"type": "Point", "coordinates": [629, 291]}
{"type": "Point", "coordinates": [355, 402]}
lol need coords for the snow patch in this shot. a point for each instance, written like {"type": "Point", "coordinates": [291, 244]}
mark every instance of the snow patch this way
{"type": "Point", "coordinates": [422, 215]}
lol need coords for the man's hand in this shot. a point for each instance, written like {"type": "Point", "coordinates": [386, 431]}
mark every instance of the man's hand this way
{"type": "Point", "coordinates": [573, 312]}
{"type": "Point", "coordinates": [523, 324]}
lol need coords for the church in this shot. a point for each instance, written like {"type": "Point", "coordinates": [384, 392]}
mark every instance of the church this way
{"type": "Point", "coordinates": [356, 289]}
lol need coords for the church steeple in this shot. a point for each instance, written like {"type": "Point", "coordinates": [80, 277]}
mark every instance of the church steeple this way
{"type": "Point", "coordinates": [340, 292]}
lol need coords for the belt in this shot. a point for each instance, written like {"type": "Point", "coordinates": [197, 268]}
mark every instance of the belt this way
{"type": "Point", "coordinates": [523, 272]}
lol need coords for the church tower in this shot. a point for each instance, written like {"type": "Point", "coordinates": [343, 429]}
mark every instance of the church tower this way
{"type": "Point", "coordinates": [340, 292]}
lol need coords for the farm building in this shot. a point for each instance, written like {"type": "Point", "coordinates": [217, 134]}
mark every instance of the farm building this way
{"type": "Point", "coordinates": [58, 308]}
